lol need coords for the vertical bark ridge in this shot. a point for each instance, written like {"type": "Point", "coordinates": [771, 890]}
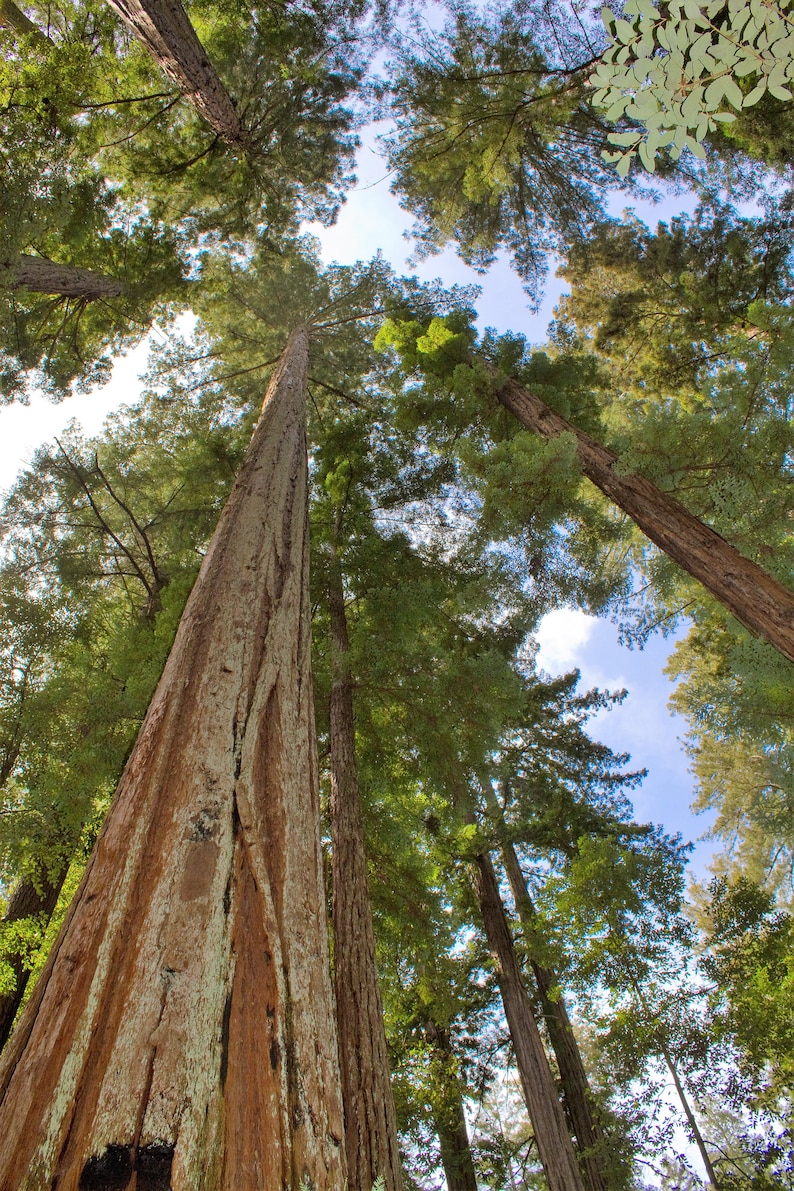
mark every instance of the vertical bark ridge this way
{"type": "Point", "coordinates": [545, 1111]}
{"type": "Point", "coordinates": [184, 1021]}
{"type": "Point", "coordinates": [762, 603]}
{"type": "Point", "coordinates": [370, 1119]}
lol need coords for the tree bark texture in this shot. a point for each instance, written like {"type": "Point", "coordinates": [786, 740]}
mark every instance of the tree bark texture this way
{"type": "Point", "coordinates": [545, 1111]}
{"type": "Point", "coordinates": [45, 277]}
{"type": "Point", "coordinates": [573, 1077]}
{"type": "Point", "coordinates": [12, 17]}
{"type": "Point", "coordinates": [165, 29]}
{"type": "Point", "coordinates": [370, 1119]}
{"type": "Point", "coordinates": [449, 1117]}
{"type": "Point", "coordinates": [182, 1033]}
{"type": "Point", "coordinates": [28, 900]}
{"type": "Point", "coordinates": [759, 601]}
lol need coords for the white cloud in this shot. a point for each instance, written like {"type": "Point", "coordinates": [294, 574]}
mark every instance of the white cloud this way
{"type": "Point", "coordinates": [561, 637]}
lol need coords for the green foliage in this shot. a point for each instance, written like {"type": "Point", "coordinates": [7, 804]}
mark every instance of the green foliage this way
{"type": "Point", "coordinates": [750, 961]}
{"type": "Point", "coordinates": [692, 323]}
{"type": "Point", "coordinates": [101, 544]}
{"type": "Point", "coordinates": [673, 69]}
{"type": "Point", "coordinates": [454, 528]}
{"type": "Point", "coordinates": [495, 145]}
{"type": "Point", "coordinates": [107, 167]}
{"type": "Point", "coordinates": [56, 207]}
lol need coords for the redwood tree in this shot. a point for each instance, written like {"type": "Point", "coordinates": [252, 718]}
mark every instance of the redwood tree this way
{"type": "Point", "coordinates": [165, 29]}
{"type": "Point", "coordinates": [762, 603]}
{"type": "Point", "coordinates": [182, 1030]}
{"type": "Point", "coordinates": [370, 1121]}
{"type": "Point", "coordinates": [545, 1111]}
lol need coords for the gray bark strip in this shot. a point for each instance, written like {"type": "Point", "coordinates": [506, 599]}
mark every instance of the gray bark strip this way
{"type": "Point", "coordinates": [183, 1028]}
{"type": "Point", "coordinates": [555, 1147]}
{"type": "Point", "coordinates": [45, 277]}
{"type": "Point", "coordinates": [370, 1119]}
{"type": "Point", "coordinates": [165, 29]}
{"type": "Point", "coordinates": [763, 604]}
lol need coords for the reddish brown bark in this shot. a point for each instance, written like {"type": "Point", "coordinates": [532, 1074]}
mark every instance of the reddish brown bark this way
{"type": "Point", "coordinates": [182, 1032]}
{"type": "Point", "coordinates": [370, 1120]}
{"type": "Point", "coordinates": [165, 29]}
{"type": "Point", "coordinates": [449, 1117]}
{"type": "Point", "coordinates": [45, 277]}
{"type": "Point", "coordinates": [760, 602]}
{"type": "Point", "coordinates": [29, 900]}
{"type": "Point", "coordinates": [555, 1147]}
{"type": "Point", "coordinates": [573, 1077]}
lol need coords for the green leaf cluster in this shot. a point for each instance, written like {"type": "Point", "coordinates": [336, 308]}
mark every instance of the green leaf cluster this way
{"type": "Point", "coordinates": [673, 69]}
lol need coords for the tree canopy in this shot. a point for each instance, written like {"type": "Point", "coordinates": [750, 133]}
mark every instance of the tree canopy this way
{"type": "Point", "coordinates": [520, 988]}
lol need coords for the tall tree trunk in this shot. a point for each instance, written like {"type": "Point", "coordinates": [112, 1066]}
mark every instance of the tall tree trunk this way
{"type": "Point", "coordinates": [45, 277]}
{"type": "Point", "coordinates": [448, 1115]}
{"type": "Point", "coordinates": [545, 1111]}
{"type": "Point", "coordinates": [165, 29]}
{"type": "Point", "coordinates": [12, 17]}
{"type": "Point", "coordinates": [690, 1116]}
{"type": "Point", "coordinates": [182, 1033]}
{"type": "Point", "coordinates": [370, 1120]}
{"type": "Point", "coordinates": [573, 1077]}
{"type": "Point", "coordinates": [760, 602]}
{"type": "Point", "coordinates": [29, 900]}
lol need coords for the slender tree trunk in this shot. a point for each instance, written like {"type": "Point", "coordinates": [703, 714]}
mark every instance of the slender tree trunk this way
{"type": "Point", "coordinates": [573, 1077]}
{"type": "Point", "coordinates": [12, 17]}
{"type": "Point", "coordinates": [28, 900]}
{"type": "Point", "coordinates": [690, 1116]}
{"type": "Point", "coordinates": [448, 1115]}
{"type": "Point", "coordinates": [45, 277]}
{"type": "Point", "coordinates": [760, 602]}
{"type": "Point", "coordinates": [182, 1033]}
{"type": "Point", "coordinates": [165, 29]}
{"type": "Point", "coordinates": [545, 1111]}
{"type": "Point", "coordinates": [370, 1120]}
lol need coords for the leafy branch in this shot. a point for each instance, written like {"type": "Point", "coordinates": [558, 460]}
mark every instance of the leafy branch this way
{"type": "Point", "coordinates": [672, 69]}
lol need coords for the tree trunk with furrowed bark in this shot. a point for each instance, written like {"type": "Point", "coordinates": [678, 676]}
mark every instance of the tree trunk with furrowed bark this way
{"type": "Point", "coordinates": [45, 277]}
{"type": "Point", "coordinates": [763, 604]}
{"type": "Point", "coordinates": [165, 29]}
{"type": "Point", "coordinates": [555, 1147]}
{"type": "Point", "coordinates": [182, 1033]}
{"type": "Point", "coordinates": [370, 1120]}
